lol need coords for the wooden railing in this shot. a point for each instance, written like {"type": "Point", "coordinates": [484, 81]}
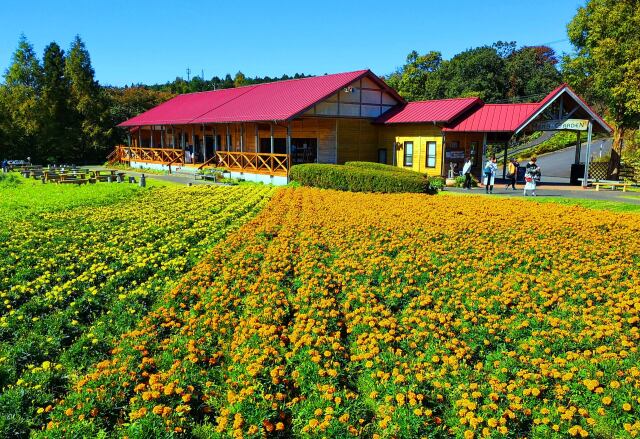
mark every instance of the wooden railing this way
{"type": "Point", "coordinates": [251, 162]}
{"type": "Point", "coordinates": [126, 154]}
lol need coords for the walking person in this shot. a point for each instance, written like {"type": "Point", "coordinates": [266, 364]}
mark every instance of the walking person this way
{"type": "Point", "coordinates": [490, 169]}
{"type": "Point", "coordinates": [466, 171]}
{"type": "Point", "coordinates": [531, 176]}
{"type": "Point", "coordinates": [5, 166]}
{"type": "Point", "coordinates": [512, 174]}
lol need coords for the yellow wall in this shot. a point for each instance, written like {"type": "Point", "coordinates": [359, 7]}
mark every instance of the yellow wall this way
{"type": "Point", "coordinates": [419, 134]}
{"type": "Point", "coordinates": [357, 140]}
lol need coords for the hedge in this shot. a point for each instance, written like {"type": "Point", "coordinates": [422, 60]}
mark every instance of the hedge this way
{"type": "Point", "coordinates": [380, 167]}
{"type": "Point", "coordinates": [360, 178]}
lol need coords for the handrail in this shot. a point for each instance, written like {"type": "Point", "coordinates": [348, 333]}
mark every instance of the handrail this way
{"type": "Point", "coordinates": [207, 162]}
{"type": "Point", "coordinates": [273, 164]}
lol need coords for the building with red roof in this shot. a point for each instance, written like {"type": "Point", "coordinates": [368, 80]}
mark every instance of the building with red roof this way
{"type": "Point", "coordinates": [259, 131]}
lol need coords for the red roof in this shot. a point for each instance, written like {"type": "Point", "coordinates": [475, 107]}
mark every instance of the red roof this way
{"type": "Point", "coordinates": [496, 118]}
{"type": "Point", "coordinates": [440, 110]}
{"type": "Point", "coordinates": [281, 100]}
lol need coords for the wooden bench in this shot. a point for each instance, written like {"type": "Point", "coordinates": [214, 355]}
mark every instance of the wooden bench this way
{"type": "Point", "coordinates": [613, 184]}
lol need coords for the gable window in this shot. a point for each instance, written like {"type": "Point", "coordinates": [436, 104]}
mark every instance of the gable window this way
{"type": "Point", "coordinates": [408, 153]}
{"type": "Point", "coordinates": [431, 155]}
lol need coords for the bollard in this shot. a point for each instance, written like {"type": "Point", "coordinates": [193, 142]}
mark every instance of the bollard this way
{"type": "Point", "coordinates": [132, 179]}
{"type": "Point", "coordinates": [143, 181]}
{"type": "Point", "coordinates": [189, 184]}
{"type": "Point", "coordinates": [42, 179]}
{"type": "Point", "coordinates": [109, 179]}
{"type": "Point", "coordinates": [119, 178]}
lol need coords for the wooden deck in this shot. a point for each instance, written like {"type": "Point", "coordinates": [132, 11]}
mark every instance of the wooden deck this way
{"type": "Point", "coordinates": [232, 161]}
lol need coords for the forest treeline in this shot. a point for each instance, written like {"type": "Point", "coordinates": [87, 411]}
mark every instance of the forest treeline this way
{"type": "Point", "coordinates": [52, 108]}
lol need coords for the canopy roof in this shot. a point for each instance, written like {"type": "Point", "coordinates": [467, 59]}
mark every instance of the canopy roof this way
{"type": "Point", "coordinates": [440, 110]}
{"type": "Point", "coordinates": [274, 101]}
{"type": "Point", "coordinates": [495, 118]}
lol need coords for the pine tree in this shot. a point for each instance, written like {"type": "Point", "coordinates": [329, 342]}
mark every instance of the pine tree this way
{"type": "Point", "coordinates": [55, 105]}
{"type": "Point", "coordinates": [20, 95]}
{"type": "Point", "coordinates": [88, 102]}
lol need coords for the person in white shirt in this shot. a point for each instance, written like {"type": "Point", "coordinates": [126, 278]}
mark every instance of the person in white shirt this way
{"type": "Point", "coordinates": [466, 171]}
{"type": "Point", "coordinates": [490, 169]}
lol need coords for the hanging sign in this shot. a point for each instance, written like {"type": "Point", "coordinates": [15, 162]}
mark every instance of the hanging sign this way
{"type": "Point", "coordinates": [562, 124]}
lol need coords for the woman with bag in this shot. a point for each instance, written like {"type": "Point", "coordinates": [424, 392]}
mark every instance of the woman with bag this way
{"type": "Point", "coordinates": [531, 176]}
{"type": "Point", "coordinates": [490, 169]}
{"type": "Point", "coordinates": [512, 174]}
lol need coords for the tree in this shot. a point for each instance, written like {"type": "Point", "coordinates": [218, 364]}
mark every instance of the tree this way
{"type": "Point", "coordinates": [239, 80]}
{"type": "Point", "coordinates": [606, 63]}
{"type": "Point", "coordinates": [531, 71]}
{"type": "Point", "coordinates": [478, 72]}
{"type": "Point", "coordinates": [418, 78]}
{"type": "Point", "coordinates": [89, 103]}
{"type": "Point", "coordinates": [20, 95]}
{"type": "Point", "coordinates": [55, 107]}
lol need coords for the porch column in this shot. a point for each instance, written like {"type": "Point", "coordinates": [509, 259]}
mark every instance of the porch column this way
{"type": "Point", "coordinates": [139, 137]}
{"type": "Point", "coordinates": [204, 145]}
{"type": "Point", "coordinates": [257, 138]}
{"type": "Point", "coordinates": [215, 139]}
{"type": "Point", "coordinates": [578, 147]}
{"type": "Point", "coordinates": [151, 134]}
{"type": "Point", "coordinates": [162, 131]}
{"type": "Point", "coordinates": [484, 152]}
{"type": "Point", "coordinates": [173, 136]}
{"type": "Point", "coordinates": [241, 137]}
{"type": "Point", "coordinates": [193, 142]}
{"type": "Point", "coordinates": [504, 160]}
{"type": "Point", "coordinates": [271, 137]}
{"type": "Point", "coordinates": [289, 140]}
{"type": "Point", "coordinates": [129, 139]}
{"type": "Point", "coordinates": [228, 141]}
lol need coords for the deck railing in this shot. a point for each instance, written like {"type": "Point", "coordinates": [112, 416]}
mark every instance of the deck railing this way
{"type": "Point", "coordinates": [249, 162]}
{"type": "Point", "coordinates": [252, 162]}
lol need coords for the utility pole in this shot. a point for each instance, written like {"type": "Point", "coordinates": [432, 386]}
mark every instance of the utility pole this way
{"type": "Point", "coordinates": [188, 74]}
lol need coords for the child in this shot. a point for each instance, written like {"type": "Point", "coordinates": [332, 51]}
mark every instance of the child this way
{"type": "Point", "coordinates": [531, 177]}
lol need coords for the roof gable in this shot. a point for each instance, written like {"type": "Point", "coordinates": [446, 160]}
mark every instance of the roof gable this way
{"type": "Point", "coordinates": [495, 118]}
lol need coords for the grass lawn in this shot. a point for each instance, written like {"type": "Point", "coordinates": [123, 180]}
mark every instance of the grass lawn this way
{"type": "Point", "coordinates": [613, 206]}
{"type": "Point", "coordinates": [24, 197]}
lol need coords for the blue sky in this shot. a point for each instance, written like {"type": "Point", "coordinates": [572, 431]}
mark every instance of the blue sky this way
{"type": "Point", "coordinates": [155, 41]}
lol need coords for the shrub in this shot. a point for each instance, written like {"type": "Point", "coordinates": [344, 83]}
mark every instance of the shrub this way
{"type": "Point", "coordinates": [360, 178]}
{"type": "Point", "coordinates": [460, 181]}
{"type": "Point", "coordinates": [9, 180]}
{"type": "Point", "coordinates": [378, 167]}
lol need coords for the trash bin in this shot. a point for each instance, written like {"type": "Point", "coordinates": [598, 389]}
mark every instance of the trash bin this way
{"type": "Point", "coordinates": [520, 176]}
{"type": "Point", "coordinates": [577, 171]}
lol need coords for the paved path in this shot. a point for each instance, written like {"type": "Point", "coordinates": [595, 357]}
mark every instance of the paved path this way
{"type": "Point", "coordinates": [177, 178]}
{"type": "Point", "coordinates": [558, 163]}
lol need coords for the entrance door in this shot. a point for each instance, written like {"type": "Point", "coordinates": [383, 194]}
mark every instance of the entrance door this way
{"type": "Point", "coordinates": [382, 156]}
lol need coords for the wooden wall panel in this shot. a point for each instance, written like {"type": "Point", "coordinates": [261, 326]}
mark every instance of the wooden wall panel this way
{"type": "Point", "coordinates": [357, 140]}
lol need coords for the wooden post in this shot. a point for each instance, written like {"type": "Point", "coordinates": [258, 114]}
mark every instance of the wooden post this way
{"type": "Point", "coordinates": [257, 138]}
{"type": "Point", "coordinates": [129, 139]}
{"type": "Point", "coordinates": [204, 145]}
{"type": "Point", "coordinates": [484, 152]}
{"type": "Point", "coordinates": [504, 160]}
{"type": "Point", "coordinates": [193, 142]}
{"type": "Point", "coordinates": [228, 141]}
{"type": "Point", "coordinates": [162, 130]}
{"type": "Point", "coordinates": [173, 136]}
{"type": "Point", "coordinates": [241, 137]}
{"type": "Point", "coordinates": [289, 141]}
{"type": "Point", "coordinates": [139, 137]}
{"type": "Point", "coordinates": [151, 134]}
{"type": "Point", "coordinates": [272, 139]}
{"type": "Point", "coordinates": [578, 147]}
{"type": "Point", "coordinates": [215, 139]}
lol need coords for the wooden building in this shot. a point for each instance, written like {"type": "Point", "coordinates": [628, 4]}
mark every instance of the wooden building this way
{"type": "Point", "coordinates": [260, 131]}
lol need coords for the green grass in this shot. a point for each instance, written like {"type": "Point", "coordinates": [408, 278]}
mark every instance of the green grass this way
{"type": "Point", "coordinates": [613, 206]}
{"type": "Point", "coordinates": [30, 197]}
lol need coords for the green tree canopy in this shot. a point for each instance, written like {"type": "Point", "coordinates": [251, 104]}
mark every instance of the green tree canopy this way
{"type": "Point", "coordinates": [606, 62]}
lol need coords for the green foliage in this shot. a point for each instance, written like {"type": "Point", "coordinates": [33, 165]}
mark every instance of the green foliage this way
{"type": "Point", "coordinates": [9, 180]}
{"type": "Point", "coordinates": [361, 177]}
{"type": "Point", "coordinates": [493, 73]}
{"type": "Point", "coordinates": [606, 64]}
{"type": "Point", "coordinates": [459, 181]}
{"type": "Point", "coordinates": [558, 141]}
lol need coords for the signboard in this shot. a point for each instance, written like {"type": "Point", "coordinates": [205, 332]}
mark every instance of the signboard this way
{"type": "Point", "coordinates": [454, 155]}
{"type": "Point", "coordinates": [561, 124]}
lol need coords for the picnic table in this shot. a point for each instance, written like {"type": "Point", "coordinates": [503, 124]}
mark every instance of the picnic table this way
{"type": "Point", "coordinates": [106, 174]}
{"type": "Point", "coordinates": [78, 178]}
{"type": "Point", "coordinates": [612, 184]}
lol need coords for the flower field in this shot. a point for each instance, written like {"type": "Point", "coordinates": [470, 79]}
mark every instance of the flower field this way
{"type": "Point", "coordinates": [354, 315]}
{"type": "Point", "coordinates": [73, 280]}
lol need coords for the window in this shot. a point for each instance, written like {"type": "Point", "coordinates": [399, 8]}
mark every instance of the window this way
{"type": "Point", "coordinates": [431, 154]}
{"type": "Point", "coordinates": [408, 153]}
